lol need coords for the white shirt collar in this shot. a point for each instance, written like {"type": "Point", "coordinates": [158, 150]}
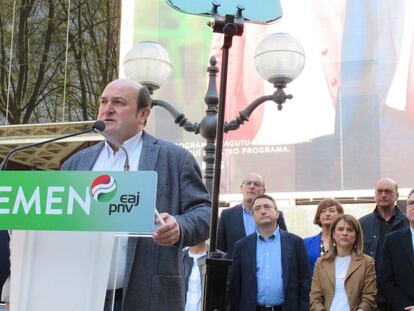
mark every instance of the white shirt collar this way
{"type": "Point", "coordinates": [110, 161]}
{"type": "Point", "coordinates": [130, 144]}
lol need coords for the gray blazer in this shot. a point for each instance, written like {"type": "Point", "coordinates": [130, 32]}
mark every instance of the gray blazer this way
{"type": "Point", "coordinates": [153, 276]}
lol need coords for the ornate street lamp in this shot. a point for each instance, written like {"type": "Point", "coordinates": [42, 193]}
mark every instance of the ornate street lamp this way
{"type": "Point", "coordinates": [279, 59]}
{"type": "Point", "coordinates": [148, 63]}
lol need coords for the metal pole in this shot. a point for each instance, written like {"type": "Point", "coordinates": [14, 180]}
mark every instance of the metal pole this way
{"type": "Point", "coordinates": [215, 269]}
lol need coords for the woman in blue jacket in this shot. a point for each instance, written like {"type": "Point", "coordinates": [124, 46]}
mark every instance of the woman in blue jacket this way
{"type": "Point", "coordinates": [326, 213]}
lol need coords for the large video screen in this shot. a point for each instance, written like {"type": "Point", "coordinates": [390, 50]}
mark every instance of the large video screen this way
{"type": "Point", "coordinates": [351, 118]}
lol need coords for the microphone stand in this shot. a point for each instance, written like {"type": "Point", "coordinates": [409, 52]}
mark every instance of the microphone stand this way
{"type": "Point", "coordinates": [99, 127]}
{"type": "Point", "coordinates": [114, 142]}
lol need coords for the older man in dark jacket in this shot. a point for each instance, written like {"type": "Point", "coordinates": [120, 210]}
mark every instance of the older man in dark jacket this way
{"type": "Point", "coordinates": [384, 219]}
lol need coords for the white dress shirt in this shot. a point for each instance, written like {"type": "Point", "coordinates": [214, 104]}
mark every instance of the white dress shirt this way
{"type": "Point", "coordinates": [193, 302]}
{"type": "Point", "coordinates": [108, 160]}
{"type": "Point", "coordinates": [340, 300]}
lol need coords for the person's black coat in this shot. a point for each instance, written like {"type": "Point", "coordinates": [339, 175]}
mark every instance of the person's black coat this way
{"type": "Point", "coordinates": [396, 273]}
{"type": "Point", "coordinates": [4, 257]}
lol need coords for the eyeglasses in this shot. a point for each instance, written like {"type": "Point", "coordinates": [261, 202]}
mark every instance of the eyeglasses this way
{"type": "Point", "coordinates": [384, 191]}
{"type": "Point", "coordinates": [252, 182]}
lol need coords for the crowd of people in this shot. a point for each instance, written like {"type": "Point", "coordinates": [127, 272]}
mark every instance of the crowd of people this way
{"type": "Point", "coordinates": [351, 265]}
{"type": "Point", "coordinates": [365, 264]}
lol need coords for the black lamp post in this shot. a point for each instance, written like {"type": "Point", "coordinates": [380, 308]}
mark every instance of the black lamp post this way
{"type": "Point", "coordinates": [279, 59]}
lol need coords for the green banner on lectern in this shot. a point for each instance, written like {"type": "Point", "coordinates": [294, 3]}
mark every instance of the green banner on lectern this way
{"type": "Point", "coordinates": [78, 201]}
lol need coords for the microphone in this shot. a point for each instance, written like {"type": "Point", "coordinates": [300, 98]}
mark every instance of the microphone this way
{"type": "Point", "coordinates": [3, 164]}
{"type": "Point", "coordinates": [99, 127]}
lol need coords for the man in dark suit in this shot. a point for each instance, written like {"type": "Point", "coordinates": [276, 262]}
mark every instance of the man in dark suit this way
{"type": "Point", "coordinates": [385, 218]}
{"type": "Point", "coordinates": [270, 269]}
{"type": "Point", "coordinates": [152, 278]}
{"type": "Point", "coordinates": [396, 273]}
{"type": "Point", "coordinates": [237, 222]}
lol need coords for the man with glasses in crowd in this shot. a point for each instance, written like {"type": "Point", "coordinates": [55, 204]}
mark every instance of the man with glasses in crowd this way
{"type": "Point", "coordinates": [384, 219]}
{"type": "Point", "coordinates": [237, 222]}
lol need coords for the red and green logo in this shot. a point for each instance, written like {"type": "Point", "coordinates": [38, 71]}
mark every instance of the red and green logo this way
{"type": "Point", "coordinates": [103, 188]}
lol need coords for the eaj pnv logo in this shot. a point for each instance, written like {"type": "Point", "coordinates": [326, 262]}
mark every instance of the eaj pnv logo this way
{"type": "Point", "coordinates": [103, 188]}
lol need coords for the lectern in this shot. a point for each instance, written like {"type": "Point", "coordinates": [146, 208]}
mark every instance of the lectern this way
{"type": "Point", "coordinates": [64, 227]}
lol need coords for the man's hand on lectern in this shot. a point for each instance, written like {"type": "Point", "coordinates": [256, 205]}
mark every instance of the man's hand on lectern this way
{"type": "Point", "coordinates": [169, 233]}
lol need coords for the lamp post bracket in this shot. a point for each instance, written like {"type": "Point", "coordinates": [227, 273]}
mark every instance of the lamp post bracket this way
{"type": "Point", "coordinates": [255, 11]}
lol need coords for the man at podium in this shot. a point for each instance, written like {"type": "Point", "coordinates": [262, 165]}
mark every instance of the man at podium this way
{"type": "Point", "coordinates": [149, 273]}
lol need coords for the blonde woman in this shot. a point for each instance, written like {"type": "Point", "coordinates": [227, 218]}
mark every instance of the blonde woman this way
{"type": "Point", "coordinates": [344, 278]}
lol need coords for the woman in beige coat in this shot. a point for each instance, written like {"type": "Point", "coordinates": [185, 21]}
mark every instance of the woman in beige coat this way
{"type": "Point", "coordinates": [344, 278]}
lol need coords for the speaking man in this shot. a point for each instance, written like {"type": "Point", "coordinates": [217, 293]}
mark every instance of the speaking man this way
{"type": "Point", "coordinates": [152, 268]}
{"type": "Point", "coordinates": [270, 269]}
